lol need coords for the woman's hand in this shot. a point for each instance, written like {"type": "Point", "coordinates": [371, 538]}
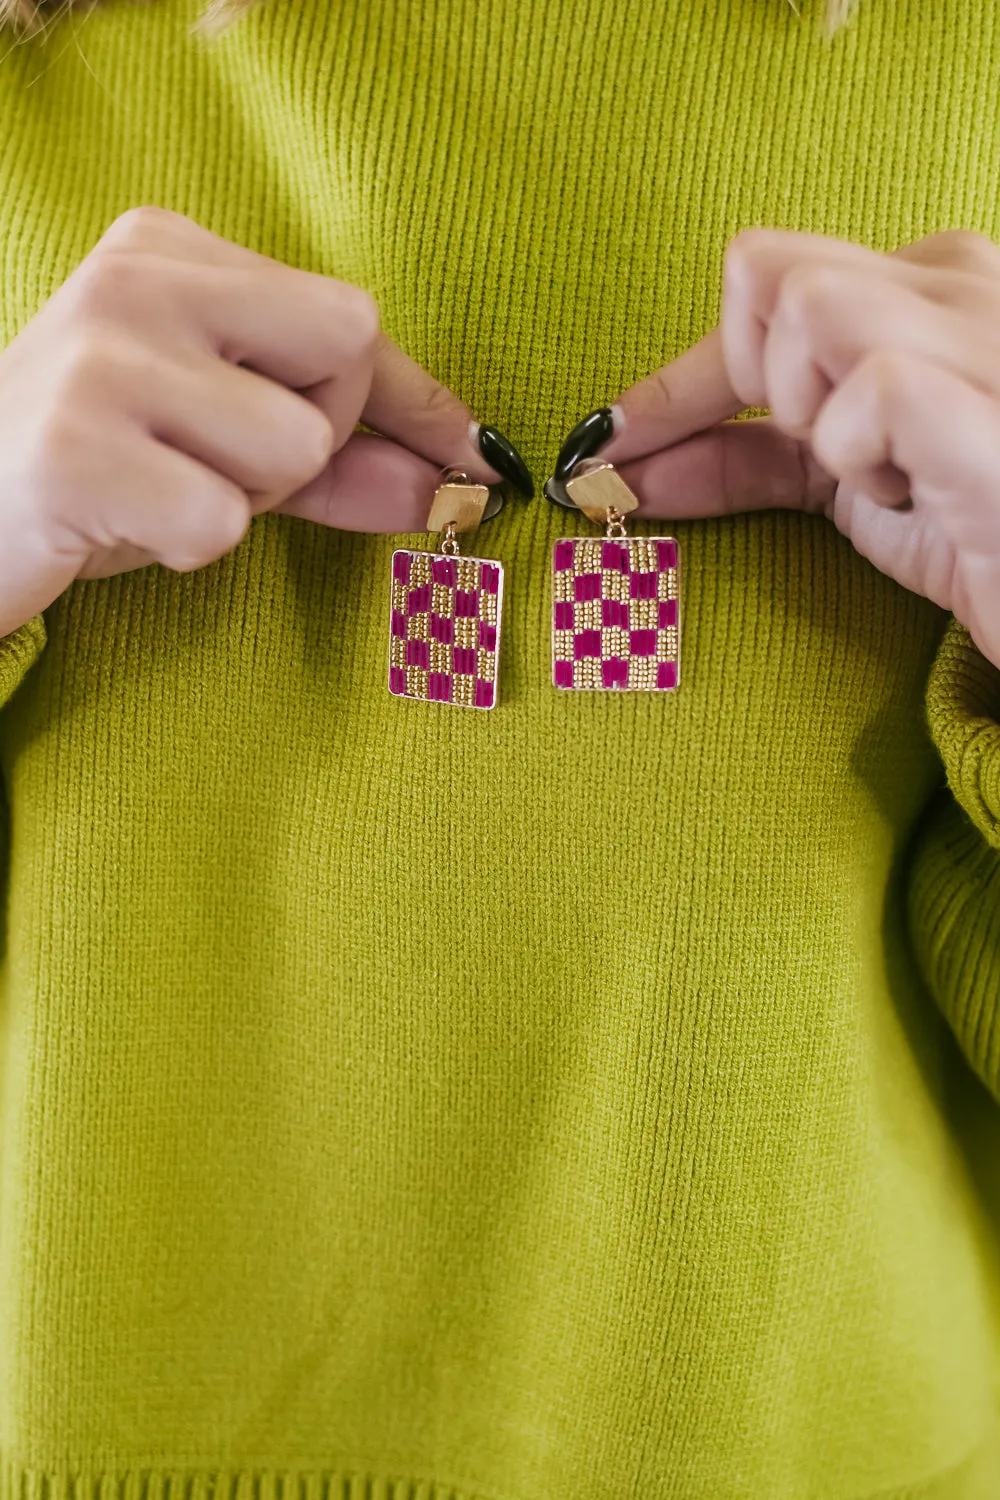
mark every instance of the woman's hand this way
{"type": "Point", "coordinates": [882, 377]}
{"type": "Point", "coordinates": [176, 384]}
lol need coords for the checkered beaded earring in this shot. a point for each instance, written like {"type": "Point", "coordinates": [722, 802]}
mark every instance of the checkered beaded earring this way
{"type": "Point", "coordinates": [444, 630]}
{"type": "Point", "coordinates": [616, 599]}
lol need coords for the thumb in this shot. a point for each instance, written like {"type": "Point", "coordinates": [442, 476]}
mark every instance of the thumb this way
{"type": "Point", "coordinates": [687, 395]}
{"type": "Point", "coordinates": [370, 485]}
{"type": "Point", "coordinates": [408, 404]}
{"type": "Point", "coordinates": [731, 468]}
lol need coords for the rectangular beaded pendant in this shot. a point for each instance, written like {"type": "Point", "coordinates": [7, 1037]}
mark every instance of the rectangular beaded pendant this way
{"type": "Point", "coordinates": [616, 613]}
{"type": "Point", "coordinates": [615, 599]}
{"type": "Point", "coordinates": [444, 631]}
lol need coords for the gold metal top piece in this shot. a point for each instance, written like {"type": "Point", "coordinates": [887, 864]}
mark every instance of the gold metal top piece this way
{"type": "Point", "coordinates": [597, 489]}
{"type": "Point", "coordinates": [458, 503]}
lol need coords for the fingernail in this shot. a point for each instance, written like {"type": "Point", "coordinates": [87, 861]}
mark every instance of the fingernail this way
{"type": "Point", "coordinates": [585, 439]}
{"type": "Point", "coordinates": [500, 453]}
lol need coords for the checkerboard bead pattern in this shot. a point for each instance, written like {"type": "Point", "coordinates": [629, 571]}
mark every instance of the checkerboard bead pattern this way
{"type": "Point", "coordinates": [616, 613]}
{"type": "Point", "coordinates": [445, 628]}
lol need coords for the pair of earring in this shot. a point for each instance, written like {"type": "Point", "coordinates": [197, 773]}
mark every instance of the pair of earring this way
{"type": "Point", "coordinates": [615, 598]}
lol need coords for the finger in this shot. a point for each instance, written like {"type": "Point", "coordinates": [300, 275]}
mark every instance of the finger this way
{"type": "Point", "coordinates": [956, 250]}
{"type": "Point", "coordinates": [828, 318]}
{"type": "Point", "coordinates": [734, 467]}
{"type": "Point", "coordinates": [150, 230]}
{"type": "Point", "coordinates": [756, 264]}
{"type": "Point", "coordinates": [107, 562]}
{"type": "Point", "coordinates": [724, 372]}
{"type": "Point", "coordinates": [690, 394]}
{"type": "Point", "coordinates": [154, 503]}
{"type": "Point", "coordinates": [407, 403]}
{"type": "Point", "coordinates": [710, 382]}
{"type": "Point", "coordinates": [310, 332]}
{"type": "Point", "coordinates": [265, 438]}
{"type": "Point", "coordinates": [290, 325]}
{"type": "Point", "coordinates": [699, 388]}
{"type": "Point", "coordinates": [301, 331]}
{"type": "Point", "coordinates": [938, 430]}
{"type": "Point", "coordinates": [371, 485]}
{"type": "Point", "coordinates": [766, 270]}
{"type": "Point", "coordinates": [146, 495]}
{"type": "Point", "coordinates": [900, 544]}
{"type": "Point", "coordinates": [916, 550]}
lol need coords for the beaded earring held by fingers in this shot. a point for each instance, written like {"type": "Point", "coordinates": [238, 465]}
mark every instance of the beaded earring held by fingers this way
{"type": "Point", "coordinates": [616, 598]}
{"type": "Point", "coordinates": [444, 631]}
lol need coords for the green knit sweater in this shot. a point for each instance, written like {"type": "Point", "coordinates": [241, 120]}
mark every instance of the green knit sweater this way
{"type": "Point", "coordinates": [591, 1099]}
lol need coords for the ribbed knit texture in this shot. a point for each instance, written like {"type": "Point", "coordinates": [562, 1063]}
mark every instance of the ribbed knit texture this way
{"type": "Point", "coordinates": [563, 1102]}
{"type": "Point", "coordinates": [955, 879]}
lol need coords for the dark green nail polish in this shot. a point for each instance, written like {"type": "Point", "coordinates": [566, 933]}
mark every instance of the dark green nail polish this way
{"type": "Point", "coordinates": [500, 453]}
{"type": "Point", "coordinates": [585, 439]}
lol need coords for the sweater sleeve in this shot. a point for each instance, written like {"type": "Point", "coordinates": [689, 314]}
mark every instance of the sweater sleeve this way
{"type": "Point", "coordinates": [18, 652]}
{"type": "Point", "coordinates": [954, 886]}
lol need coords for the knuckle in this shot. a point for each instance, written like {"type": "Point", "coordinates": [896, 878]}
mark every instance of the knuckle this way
{"type": "Point", "coordinates": [436, 402]}
{"type": "Point", "coordinates": [746, 250]}
{"type": "Point", "coordinates": [967, 248]}
{"type": "Point", "coordinates": [105, 284]}
{"type": "Point", "coordinates": [358, 318]}
{"type": "Point", "coordinates": [659, 389]}
{"type": "Point", "coordinates": [807, 292]}
{"type": "Point", "coordinates": [54, 452]}
{"type": "Point", "coordinates": [314, 443]}
{"type": "Point", "coordinates": [57, 466]}
{"type": "Point", "coordinates": [871, 398]}
{"type": "Point", "coordinates": [60, 438]}
{"type": "Point", "coordinates": [139, 228]}
{"type": "Point", "coordinates": [93, 365]}
{"type": "Point", "coordinates": [232, 521]}
{"type": "Point", "coordinates": [220, 526]}
{"type": "Point", "coordinates": [828, 446]}
{"type": "Point", "coordinates": [886, 374]}
{"type": "Point", "coordinates": [301, 440]}
{"type": "Point", "coordinates": [186, 561]}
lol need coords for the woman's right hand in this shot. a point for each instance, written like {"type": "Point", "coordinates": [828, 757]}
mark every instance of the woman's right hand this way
{"type": "Point", "coordinates": [176, 385]}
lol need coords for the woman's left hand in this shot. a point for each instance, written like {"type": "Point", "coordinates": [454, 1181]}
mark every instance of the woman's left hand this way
{"type": "Point", "coordinates": [882, 376]}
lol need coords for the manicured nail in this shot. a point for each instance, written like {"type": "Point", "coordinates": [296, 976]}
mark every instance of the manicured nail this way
{"type": "Point", "coordinates": [585, 439]}
{"type": "Point", "coordinates": [500, 453]}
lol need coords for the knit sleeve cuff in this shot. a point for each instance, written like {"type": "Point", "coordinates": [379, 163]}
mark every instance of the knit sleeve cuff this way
{"type": "Point", "coordinates": [18, 652]}
{"type": "Point", "coordinates": [963, 709]}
